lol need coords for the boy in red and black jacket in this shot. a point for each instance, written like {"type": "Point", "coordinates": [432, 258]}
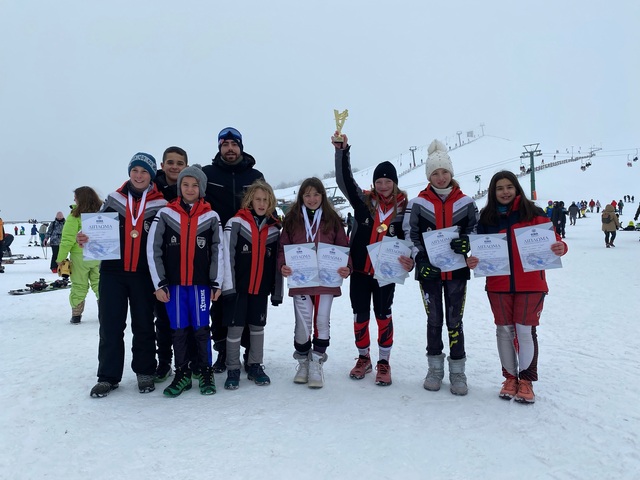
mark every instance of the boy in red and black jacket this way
{"type": "Point", "coordinates": [125, 283]}
{"type": "Point", "coordinates": [185, 254]}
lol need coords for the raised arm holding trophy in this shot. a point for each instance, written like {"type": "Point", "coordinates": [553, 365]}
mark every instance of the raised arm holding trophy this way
{"type": "Point", "coordinates": [377, 213]}
{"type": "Point", "coordinates": [340, 119]}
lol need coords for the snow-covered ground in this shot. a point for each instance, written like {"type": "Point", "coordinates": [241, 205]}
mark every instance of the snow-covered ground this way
{"type": "Point", "coordinates": [585, 423]}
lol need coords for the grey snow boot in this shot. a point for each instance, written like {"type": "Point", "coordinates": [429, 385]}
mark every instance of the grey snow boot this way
{"type": "Point", "coordinates": [457, 378]}
{"type": "Point", "coordinates": [434, 377]}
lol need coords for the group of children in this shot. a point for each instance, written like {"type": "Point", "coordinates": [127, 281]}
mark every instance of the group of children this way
{"type": "Point", "coordinates": [181, 252]}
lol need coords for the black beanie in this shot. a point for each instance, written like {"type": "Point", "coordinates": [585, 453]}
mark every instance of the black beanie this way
{"type": "Point", "coordinates": [385, 170]}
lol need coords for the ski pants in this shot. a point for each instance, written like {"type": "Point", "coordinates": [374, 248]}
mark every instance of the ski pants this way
{"type": "Point", "coordinates": [119, 292]}
{"type": "Point", "coordinates": [219, 329]}
{"type": "Point", "coordinates": [54, 255]}
{"type": "Point", "coordinates": [517, 317]}
{"type": "Point", "coordinates": [312, 314]}
{"type": "Point", "coordinates": [164, 340]}
{"type": "Point", "coordinates": [455, 292]}
{"type": "Point", "coordinates": [188, 311]}
{"type": "Point", "coordinates": [84, 274]}
{"type": "Point", "coordinates": [365, 290]}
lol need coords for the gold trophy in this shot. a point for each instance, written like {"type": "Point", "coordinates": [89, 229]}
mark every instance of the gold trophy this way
{"type": "Point", "coordinates": [340, 118]}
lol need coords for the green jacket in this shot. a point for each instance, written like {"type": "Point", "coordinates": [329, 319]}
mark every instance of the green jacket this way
{"type": "Point", "coordinates": [68, 243]}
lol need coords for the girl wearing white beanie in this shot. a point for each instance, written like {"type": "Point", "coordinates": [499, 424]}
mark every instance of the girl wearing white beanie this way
{"type": "Point", "coordinates": [440, 205]}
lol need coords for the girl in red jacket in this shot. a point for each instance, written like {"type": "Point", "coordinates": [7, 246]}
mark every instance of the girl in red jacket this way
{"type": "Point", "coordinates": [516, 299]}
{"type": "Point", "coordinates": [312, 219]}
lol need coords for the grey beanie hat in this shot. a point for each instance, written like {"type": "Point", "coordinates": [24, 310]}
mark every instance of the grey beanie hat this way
{"type": "Point", "coordinates": [196, 172]}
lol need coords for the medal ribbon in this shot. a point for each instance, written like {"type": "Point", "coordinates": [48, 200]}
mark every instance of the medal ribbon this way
{"type": "Point", "coordinates": [311, 236]}
{"type": "Point", "coordinates": [132, 245]}
{"type": "Point", "coordinates": [143, 200]}
{"type": "Point", "coordinates": [382, 216]}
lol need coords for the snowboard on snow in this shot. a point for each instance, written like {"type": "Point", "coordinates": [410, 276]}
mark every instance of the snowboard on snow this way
{"type": "Point", "coordinates": [42, 286]}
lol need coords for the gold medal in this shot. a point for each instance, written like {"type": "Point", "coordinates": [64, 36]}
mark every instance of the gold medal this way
{"type": "Point", "coordinates": [134, 233]}
{"type": "Point", "coordinates": [382, 228]}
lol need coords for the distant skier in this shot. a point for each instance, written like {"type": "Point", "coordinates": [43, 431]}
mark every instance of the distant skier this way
{"type": "Point", "coordinates": [573, 213]}
{"type": "Point", "coordinates": [33, 239]}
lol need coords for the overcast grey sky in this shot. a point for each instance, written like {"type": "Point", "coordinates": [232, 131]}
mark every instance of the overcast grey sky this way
{"type": "Point", "coordinates": [86, 84]}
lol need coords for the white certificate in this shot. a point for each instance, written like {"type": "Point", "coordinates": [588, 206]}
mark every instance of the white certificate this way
{"type": "Point", "coordinates": [330, 259]}
{"type": "Point", "coordinates": [493, 252]}
{"type": "Point", "coordinates": [387, 266]}
{"type": "Point", "coordinates": [302, 259]}
{"type": "Point", "coordinates": [437, 243]}
{"type": "Point", "coordinates": [373, 250]}
{"type": "Point", "coordinates": [534, 245]}
{"type": "Point", "coordinates": [103, 230]}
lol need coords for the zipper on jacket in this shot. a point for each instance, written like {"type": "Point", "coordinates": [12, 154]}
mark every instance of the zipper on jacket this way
{"type": "Point", "coordinates": [512, 276]}
{"type": "Point", "coordinates": [186, 262]}
{"type": "Point", "coordinates": [255, 273]}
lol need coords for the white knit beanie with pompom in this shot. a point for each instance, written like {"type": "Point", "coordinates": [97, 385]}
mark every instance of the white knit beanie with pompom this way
{"type": "Point", "coordinates": [438, 158]}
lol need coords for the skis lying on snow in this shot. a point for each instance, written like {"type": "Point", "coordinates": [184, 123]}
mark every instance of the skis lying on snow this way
{"type": "Point", "coordinates": [20, 256]}
{"type": "Point", "coordinates": [42, 286]}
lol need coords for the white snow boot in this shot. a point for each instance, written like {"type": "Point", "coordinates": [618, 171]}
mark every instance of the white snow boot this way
{"type": "Point", "coordinates": [316, 375]}
{"type": "Point", "coordinates": [302, 371]}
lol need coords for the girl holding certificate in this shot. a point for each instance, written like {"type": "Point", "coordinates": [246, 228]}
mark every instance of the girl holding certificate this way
{"type": "Point", "coordinates": [378, 213]}
{"type": "Point", "coordinates": [311, 219]}
{"type": "Point", "coordinates": [516, 299]}
{"type": "Point", "coordinates": [250, 254]}
{"type": "Point", "coordinates": [441, 205]}
{"type": "Point", "coordinates": [84, 273]}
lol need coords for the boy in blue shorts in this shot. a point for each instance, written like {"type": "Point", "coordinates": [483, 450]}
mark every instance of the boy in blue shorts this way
{"type": "Point", "coordinates": [185, 253]}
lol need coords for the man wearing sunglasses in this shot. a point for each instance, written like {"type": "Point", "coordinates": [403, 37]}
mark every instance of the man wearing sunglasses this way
{"type": "Point", "coordinates": [228, 176]}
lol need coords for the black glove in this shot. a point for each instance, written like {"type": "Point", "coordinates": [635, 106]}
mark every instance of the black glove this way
{"type": "Point", "coordinates": [424, 269]}
{"type": "Point", "coordinates": [461, 245]}
{"type": "Point", "coordinates": [276, 301]}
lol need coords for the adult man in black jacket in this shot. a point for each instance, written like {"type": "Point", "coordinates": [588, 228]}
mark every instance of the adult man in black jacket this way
{"type": "Point", "coordinates": [228, 176]}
